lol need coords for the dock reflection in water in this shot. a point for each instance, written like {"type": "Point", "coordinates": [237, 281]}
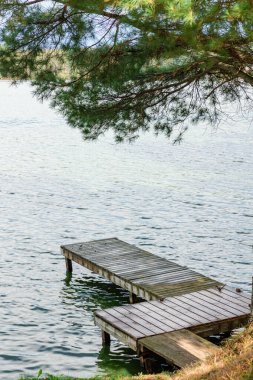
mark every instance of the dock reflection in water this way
{"type": "Point", "coordinates": [90, 292]}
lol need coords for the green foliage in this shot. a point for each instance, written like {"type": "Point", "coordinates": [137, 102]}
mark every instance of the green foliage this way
{"type": "Point", "coordinates": [131, 65]}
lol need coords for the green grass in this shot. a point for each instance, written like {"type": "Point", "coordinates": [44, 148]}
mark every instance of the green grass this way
{"type": "Point", "coordinates": [61, 377]}
{"type": "Point", "coordinates": [41, 376]}
{"type": "Point", "coordinates": [47, 376]}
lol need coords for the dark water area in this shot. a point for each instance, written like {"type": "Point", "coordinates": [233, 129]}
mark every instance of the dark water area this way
{"type": "Point", "coordinates": [190, 203]}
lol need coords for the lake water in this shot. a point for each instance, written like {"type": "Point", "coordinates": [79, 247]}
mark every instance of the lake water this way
{"type": "Point", "coordinates": [190, 203]}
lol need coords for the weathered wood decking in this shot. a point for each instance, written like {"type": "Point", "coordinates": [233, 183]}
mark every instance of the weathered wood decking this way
{"type": "Point", "coordinates": [181, 302]}
{"type": "Point", "coordinates": [180, 347]}
{"type": "Point", "coordinates": [140, 272]}
{"type": "Point", "coordinates": [156, 325]}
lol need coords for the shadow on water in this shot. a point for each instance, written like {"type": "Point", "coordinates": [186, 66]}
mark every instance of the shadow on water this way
{"type": "Point", "coordinates": [123, 361]}
{"type": "Point", "coordinates": [118, 359]}
{"type": "Point", "coordinates": [90, 292]}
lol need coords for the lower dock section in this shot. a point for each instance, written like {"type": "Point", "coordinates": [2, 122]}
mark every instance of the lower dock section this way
{"type": "Point", "coordinates": [174, 328]}
{"type": "Point", "coordinates": [180, 348]}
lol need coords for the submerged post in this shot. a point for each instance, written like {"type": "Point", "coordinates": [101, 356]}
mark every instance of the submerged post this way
{"type": "Point", "coordinates": [69, 267]}
{"type": "Point", "coordinates": [106, 339]}
{"type": "Point", "coordinates": [68, 261]}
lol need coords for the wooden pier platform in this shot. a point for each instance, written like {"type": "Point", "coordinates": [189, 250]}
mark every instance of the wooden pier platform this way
{"type": "Point", "coordinates": [169, 327]}
{"type": "Point", "coordinates": [140, 272]}
{"type": "Point", "coordinates": [182, 305]}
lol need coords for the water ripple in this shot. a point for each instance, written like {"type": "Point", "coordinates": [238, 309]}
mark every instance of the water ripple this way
{"type": "Point", "coordinates": [190, 203]}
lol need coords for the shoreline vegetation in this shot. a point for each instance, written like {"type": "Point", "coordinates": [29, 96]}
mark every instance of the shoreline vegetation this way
{"type": "Point", "coordinates": [234, 361]}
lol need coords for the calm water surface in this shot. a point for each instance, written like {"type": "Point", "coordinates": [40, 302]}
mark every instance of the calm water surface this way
{"type": "Point", "coordinates": [190, 203]}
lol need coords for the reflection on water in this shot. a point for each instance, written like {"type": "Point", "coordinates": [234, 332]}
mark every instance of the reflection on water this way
{"type": "Point", "coordinates": [92, 292]}
{"type": "Point", "coordinates": [118, 359]}
{"type": "Point", "coordinates": [89, 293]}
{"type": "Point", "coordinates": [190, 203]}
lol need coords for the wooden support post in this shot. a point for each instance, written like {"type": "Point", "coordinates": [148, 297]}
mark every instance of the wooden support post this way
{"type": "Point", "coordinates": [143, 353]}
{"type": "Point", "coordinates": [68, 265]}
{"type": "Point", "coordinates": [146, 359]}
{"type": "Point", "coordinates": [132, 298]}
{"type": "Point", "coordinates": [106, 339]}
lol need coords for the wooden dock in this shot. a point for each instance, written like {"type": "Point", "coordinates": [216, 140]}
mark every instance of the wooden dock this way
{"type": "Point", "coordinates": [140, 272]}
{"type": "Point", "coordinates": [182, 305]}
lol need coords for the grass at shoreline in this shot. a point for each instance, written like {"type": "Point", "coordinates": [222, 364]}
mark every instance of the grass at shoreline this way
{"type": "Point", "coordinates": [51, 377]}
{"type": "Point", "coordinates": [234, 361]}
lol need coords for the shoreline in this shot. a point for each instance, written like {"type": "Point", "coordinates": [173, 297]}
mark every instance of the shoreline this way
{"type": "Point", "coordinates": [234, 361]}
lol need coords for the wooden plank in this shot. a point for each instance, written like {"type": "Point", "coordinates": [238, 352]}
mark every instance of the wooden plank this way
{"type": "Point", "coordinates": [218, 302]}
{"type": "Point", "coordinates": [151, 323]}
{"type": "Point", "coordinates": [163, 287]}
{"type": "Point", "coordinates": [149, 313]}
{"type": "Point", "coordinates": [187, 288]}
{"type": "Point", "coordinates": [145, 326]}
{"type": "Point", "coordinates": [110, 246]}
{"type": "Point", "coordinates": [191, 284]}
{"type": "Point", "coordinates": [229, 289]}
{"type": "Point", "coordinates": [128, 267]}
{"type": "Point", "coordinates": [160, 263]}
{"type": "Point", "coordinates": [181, 347]}
{"type": "Point", "coordinates": [122, 255]}
{"type": "Point", "coordinates": [162, 315]}
{"type": "Point", "coordinates": [214, 309]}
{"type": "Point", "coordinates": [199, 316]}
{"type": "Point", "coordinates": [227, 301]}
{"type": "Point", "coordinates": [117, 256]}
{"type": "Point", "coordinates": [175, 273]}
{"type": "Point", "coordinates": [173, 317]}
{"type": "Point", "coordinates": [232, 296]}
{"type": "Point", "coordinates": [167, 277]}
{"type": "Point", "coordinates": [163, 281]}
{"type": "Point", "coordinates": [198, 308]}
{"type": "Point", "coordinates": [161, 267]}
{"type": "Point", "coordinates": [168, 290]}
{"type": "Point", "coordinates": [123, 324]}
